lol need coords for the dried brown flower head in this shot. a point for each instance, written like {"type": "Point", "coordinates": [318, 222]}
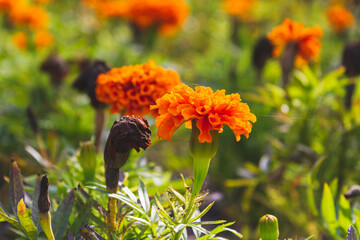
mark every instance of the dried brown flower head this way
{"type": "Point", "coordinates": [129, 132]}
{"type": "Point", "coordinates": [44, 200]}
{"type": "Point", "coordinates": [86, 82]}
{"type": "Point", "coordinates": [56, 67]}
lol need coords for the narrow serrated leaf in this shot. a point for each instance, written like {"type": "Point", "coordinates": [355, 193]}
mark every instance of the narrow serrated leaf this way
{"type": "Point", "coordinates": [139, 220]}
{"type": "Point", "coordinates": [25, 220]}
{"type": "Point", "coordinates": [234, 232]}
{"type": "Point", "coordinates": [143, 196]}
{"type": "Point", "coordinates": [202, 213]}
{"type": "Point", "coordinates": [61, 217]}
{"type": "Point", "coordinates": [16, 188]}
{"type": "Point", "coordinates": [129, 193]}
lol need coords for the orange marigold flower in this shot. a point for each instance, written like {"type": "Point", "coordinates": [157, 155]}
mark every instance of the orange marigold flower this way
{"type": "Point", "coordinates": [339, 17]}
{"type": "Point", "coordinates": [239, 8]}
{"type": "Point", "coordinates": [211, 110]}
{"type": "Point", "coordinates": [306, 39]}
{"type": "Point", "coordinates": [20, 40]}
{"type": "Point", "coordinates": [31, 16]}
{"type": "Point", "coordinates": [6, 5]}
{"type": "Point", "coordinates": [43, 1]}
{"type": "Point", "coordinates": [168, 16]}
{"type": "Point", "coordinates": [134, 88]}
{"type": "Point", "coordinates": [43, 38]}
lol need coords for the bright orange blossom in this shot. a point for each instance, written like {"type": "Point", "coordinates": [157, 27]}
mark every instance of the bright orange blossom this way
{"type": "Point", "coordinates": [307, 40]}
{"type": "Point", "coordinates": [239, 8]}
{"type": "Point", "coordinates": [211, 109]}
{"type": "Point", "coordinates": [134, 88]}
{"type": "Point", "coordinates": [339, 17]}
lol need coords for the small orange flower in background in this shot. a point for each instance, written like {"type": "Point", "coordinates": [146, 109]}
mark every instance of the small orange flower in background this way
{"type": "Point", "coordinates": [31, 16]}
{"type": "Point", "coordinates": [20, 40]}
{"type": "Point", "coordinates": [211, 109]}
{"type": "Point", "coordinates": [239, 8]}
{"type": "Point", "coordinates": [339, 17]}
{"type": "Point", "coordinates": [134, 88]}
{"type": "Point", "coordinates": [168, 16]}
{"type": "Point", "coordinates": [306, 39]}
{"type": "Point", "coordinates": [42, 39]}
{"type": "Point", "coordinates": [6, 5]}
{"type": "Point", "coordinates": [43, 1]}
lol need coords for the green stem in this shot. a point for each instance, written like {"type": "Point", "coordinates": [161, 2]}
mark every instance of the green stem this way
{"type": "Point", "coordinates": [112, 215]}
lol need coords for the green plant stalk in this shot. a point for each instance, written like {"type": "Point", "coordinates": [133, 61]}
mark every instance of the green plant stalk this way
{"type": "Point", "coordinates": [112, 205]}
{"type": "Point", "coordinates": [45, 222]}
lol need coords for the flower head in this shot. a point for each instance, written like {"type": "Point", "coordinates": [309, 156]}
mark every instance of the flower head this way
{"type": "Point", "coordinates": [211, 110]}
{"type": "Point", "coordinates": [125, 134]}
{"type": "Point", "coordinates": [239, 8]}
{"type": "Point", "coordinates": [24, 14]}
{"type": "Point", "coordinates": [339, 17]}
{"type": "Point", "coordinates": [20, 40]}
{"type": "Point", "coordinates": [86, 82]}
{"type": "Point", "coordinates": [269, 227]}
{"type": "Point", "coordinates": [6, 5]}
{"type": "Point", "coordinates": [168, 16]}
{"type": "Point", "coordinates": [43, 39]}
{"type": "Point", "coordinates": [134, 88]}
{"type": "Point", "coordinates": [306, 40]}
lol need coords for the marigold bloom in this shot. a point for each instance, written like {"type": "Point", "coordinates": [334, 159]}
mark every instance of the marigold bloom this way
{"type": "Point", "coordinates": [43, 39]}
{"type": "Point", "coordinates": [20, 40]}
{"type": "Point", "coordinates": [239, 8]}
{"type": "Point", "coordinates": [43, 1]}
{"type": "Point", "coordinates": [134, 88]}
{"type": "Point", "coordinates": [306, 39]}
{"type": "Point", "coordinates": [339, 17]}
{"type": "Point", "coordinates": [211, 109]}
{"type": "Point", "coordinates": [6, 5]}
{"type": "Point", "coordinates": [167, 16]}
{"type": "Point", "coordinates": [31, 16]}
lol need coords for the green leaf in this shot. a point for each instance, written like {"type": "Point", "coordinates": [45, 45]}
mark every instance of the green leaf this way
{"type": "Point", "coordinates": [16, 188]}
{"type": "Point", "coordinates": [202, 213]}
{"type": "Point", "coordinates": [217, 230]}
{"type": "Point", "coordinates": [234, 232]}
{"type": "Point", "coordinates": [61, 217]}
{"type": "Point", "coordinates": [311, 199]}
{"type": "Point", "coordinates": [344, 214]}
{"type": "Point", "coordinates": [328, 210]}
{"type": "Point", "coordinates": [25, 219]}
{"type": "Point", "coordinates": [5, 218]}
{"type": "Point", "coordinates": [143, 196]}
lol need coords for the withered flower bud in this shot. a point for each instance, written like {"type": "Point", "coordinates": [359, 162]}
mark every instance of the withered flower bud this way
{"type": "Point", "coordinates": [56, 67]}
{"type": "Point", "coordinates": [351, 59]}
{"type": "Point", "coordinates": [44, 200]}
{"type": "Point", "coordinates": [33, 121]}
{"type": "Point", "coordinates": [351, 62]}
{"type": "Point", "coordinates": [129, 132]}
{"type": "Point", "coordinates": [86, 82]}
{"type": "Point", "coordinates": [262, 52]}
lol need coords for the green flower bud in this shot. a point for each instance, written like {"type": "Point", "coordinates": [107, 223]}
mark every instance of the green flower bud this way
{"type": "Point", "coordinates": [269, 228]}
{"type": "Point", "coordinates": [87, 160]}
